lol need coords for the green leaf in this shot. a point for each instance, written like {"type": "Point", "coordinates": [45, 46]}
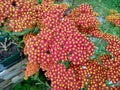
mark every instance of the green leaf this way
{"type": "Point", "coordinates": [48, 85]}
{"type": "Point", "coordinates": [67, 64]}
{"type": "Point", "coordinates": [60, 61]}
{"type": "Point", "coordinates": [24, 64]}
{"type": "Point", "coordinates": [26, 86]}
{"type": "Point", "coordinates": [36, 75]}
{"type": "Point", "coordinates": [109, 83]}
{"type": "Point", "coordinates": [39, 1]}
{"type": "Point", "coordinates": [26, 31]}
{"type": "Point", "coordinates": [36, 30]}
{"type": "Point", "coordinates": [86, 87]}
{"type": "Point", "coordinates": [117, 84]}
{"type": "Point", "coordinates": [33, 88]}
{"type": "Point", "coordinates": [23, 88]}
{"type": "Point", "coordinates": [42, 76]}
{"type": "Point", "coordinates": [41, 87]}
{"type": "Point", "coordinates": [38, 83]}
{"type": "Point", "coordinates": [17, 87]}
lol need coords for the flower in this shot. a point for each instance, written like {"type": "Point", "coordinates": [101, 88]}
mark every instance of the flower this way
{"type": "Point", "coordinates": [85, 18]}
{"type": "Point", "coordinates": [6, 10]}
{"type": "Point", "coordinates": [31, 68]}
{"type": "Point", "coordinates": [23, 16]}
{"type": "Point", "coordinates": [50, 14]}
{"type": "Point", "coordinates": [114, 46]}
{"type": "Point", "coordinates": [114, 17]}
{"type": "Point", "coordinates": [117, 22]}
{"type": "Point", "coordinates": [86, 22]}
{"type": "Point", "coordinates": [62, 79]}
{"type": "Point", "coordinates": [114, 74]}
{"type": "Point", "coordinates": [112, 11]}
{"type": "Point", "coordinates": [63, 42]}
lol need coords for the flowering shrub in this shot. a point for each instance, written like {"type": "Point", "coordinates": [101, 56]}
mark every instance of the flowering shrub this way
{"type": "Point", "coordinates": [63, 39]}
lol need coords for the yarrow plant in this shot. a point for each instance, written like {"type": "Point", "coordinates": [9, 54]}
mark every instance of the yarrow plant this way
{"type": "Point", "coordinates": [63, 39]}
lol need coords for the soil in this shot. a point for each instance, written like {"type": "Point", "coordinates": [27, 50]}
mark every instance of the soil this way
{"type": "Point", "coordinates": [12, 49]}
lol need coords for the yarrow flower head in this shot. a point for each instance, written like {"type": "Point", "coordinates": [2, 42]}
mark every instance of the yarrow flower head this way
{"type": "Point", "coordinates": [62, 78]}
{"type": "Point", "coordinates": [107, 60]}
{"type": "Point", "coordinates": [114, 74]}
{"type": "Point", "coordinates": [85, 18]}
{"type": "Point", "coordinates": [114, 46]}
{"type": "Point", "coordinates": [87, 22]}
{"type": "Point", "coordinates": [23, 17]}
{"type": "Point", "coordinates": [114, 17]}
{"type": "Point", "coordinates": [31, 68]}
{"type": "Point", "coordinates": [63, 42]}
{"type": "Point", "coordinates": [6, 10]}
{"type": "Point", "coordinates": [50, 14]}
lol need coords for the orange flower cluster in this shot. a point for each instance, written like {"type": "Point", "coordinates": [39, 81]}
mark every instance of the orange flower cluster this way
{"type": "Point", "coordinates": [114, 17]}
{"type": "Point", "coordinates": [32, 68]}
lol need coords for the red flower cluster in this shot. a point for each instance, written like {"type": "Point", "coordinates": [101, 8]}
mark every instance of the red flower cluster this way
{"type": "Point", "coordinates": [84, 17]}
{"type": "Point", "coordinates": [62, 79]}
{"type": "Point", "coordinates": [105, 56]}
{"type": "Point", "coordinates": [27, 14]}
{"type": "Point", "coordinates": [77, 76]}
{"type": "Point", "coordinates": [82, 9]}
{"type": "Point", "coordinates": [23, 17]}
{"type": "Point", "coordinates": [50, 14]}
{"type": "Point", "coordinates": [113, 63]}
{"type": "Point", "coordinates": [114, 47]}
{"type": "Point", "coordinates": [114, 74]}
{"type": "Point", "coordinates": [87, 21]}
{"type": "Point", "coordinates": [63, 42]}
{"type": "Point", "coordinates": [6, 10]}
{"type": "Point", "coordinates": [107, 60]}
{"type": "Point", "coordinates": [98, 81]}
